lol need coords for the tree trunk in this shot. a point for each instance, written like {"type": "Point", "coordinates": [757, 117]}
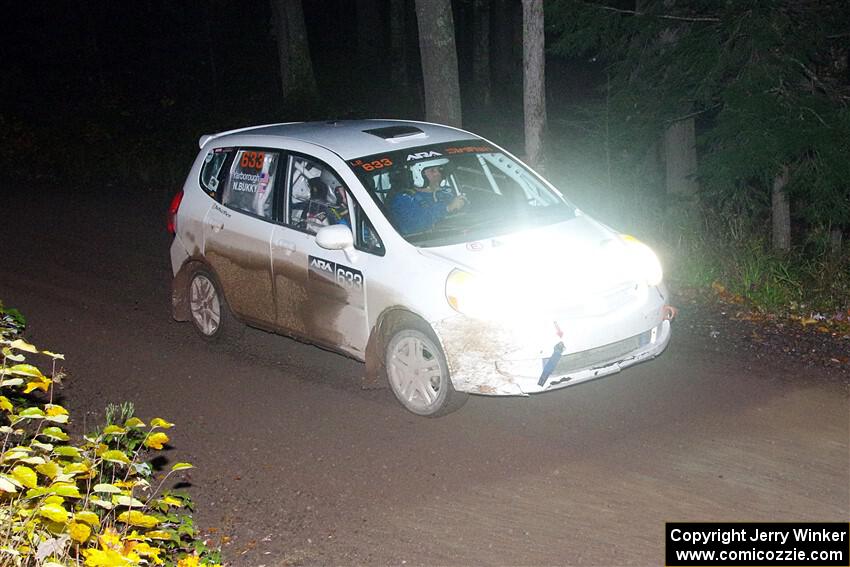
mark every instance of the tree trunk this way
{"type": "Point", "coordinates": [208, 37]}
{"type": "Point", "coordinates": [296, 68]}
{"type": "Point", "coordinates": [439, 61]}
{"type": "Point", "coordinates": [836, 237]}
{"type": "Point", "coordinates": [680, 154]}
{"type": "Point", "coordinates": [503, 65]}
{"type": "Point", "coordinates": [680, 146]}
{"type": "Point", "coordinates": [534, 83]}
{"type": "Point", "coordinates": [781, 212]}
{"type": "Point", "coordinates": [481, 52]}
{"type": "Point", "coordinates": [369, 28]}
{"type": "Point", "coordinates": [398, 49]}
{"type": "Point", "coordinates": [93, 56]}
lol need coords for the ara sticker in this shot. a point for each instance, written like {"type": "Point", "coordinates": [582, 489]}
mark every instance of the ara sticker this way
{"type": "Point", "coordinates": [423, 155]}
{"type": "Point", "coordinates": [338, 275]}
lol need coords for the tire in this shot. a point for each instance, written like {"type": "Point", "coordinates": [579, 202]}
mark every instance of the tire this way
{"type": "Point", "coordinates": [208, 310]}
{"type": "Point", "coordinates": [418, 373]}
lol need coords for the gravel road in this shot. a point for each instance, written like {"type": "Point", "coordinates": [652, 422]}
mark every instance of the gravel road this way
{"type": "Point", "coordinates": [296, 464]}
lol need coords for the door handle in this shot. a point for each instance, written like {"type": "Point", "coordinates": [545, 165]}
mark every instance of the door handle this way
{"type": "Point", "coordinates": [217, 226]}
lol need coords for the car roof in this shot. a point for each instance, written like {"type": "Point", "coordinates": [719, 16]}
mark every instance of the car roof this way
{"type": "Point", "coordinates": [354, 138]}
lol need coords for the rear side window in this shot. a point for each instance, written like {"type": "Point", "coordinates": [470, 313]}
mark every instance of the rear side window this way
{"type": "Point", "coordinates": [251, 183]}
{"type": "Point", "coordinates": [317, 197]}
{"type": "Point", "coordinates": [211, 171]}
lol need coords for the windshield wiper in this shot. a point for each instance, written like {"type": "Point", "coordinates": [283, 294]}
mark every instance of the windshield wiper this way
{"type": "Point", "coordinates": [428, 235]}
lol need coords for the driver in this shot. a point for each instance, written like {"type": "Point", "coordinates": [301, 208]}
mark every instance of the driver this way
{"type": "Point", "coordinates": [428, 203]}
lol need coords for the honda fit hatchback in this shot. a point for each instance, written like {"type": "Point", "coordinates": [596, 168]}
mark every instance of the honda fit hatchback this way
{"type": "Point", "coordinates": [430, 253]}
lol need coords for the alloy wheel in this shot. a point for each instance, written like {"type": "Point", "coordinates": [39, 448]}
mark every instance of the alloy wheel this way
{"type": "Point", "coordinates": [205, 305]}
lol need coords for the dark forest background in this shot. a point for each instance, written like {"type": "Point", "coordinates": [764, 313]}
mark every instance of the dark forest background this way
{"type": "Point", "coordinates": [689, 123]}
{"type": "Point", "coordinates": [159, 74]}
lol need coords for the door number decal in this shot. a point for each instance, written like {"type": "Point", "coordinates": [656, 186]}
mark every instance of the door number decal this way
{"type": "Point", "coordinates": [338, 275]}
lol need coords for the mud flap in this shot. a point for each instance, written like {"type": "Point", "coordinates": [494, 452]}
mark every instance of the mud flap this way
{"type": "Point", "coordinates": [179, 294]}
{"type": "Point", "coordinates": [376, 372]}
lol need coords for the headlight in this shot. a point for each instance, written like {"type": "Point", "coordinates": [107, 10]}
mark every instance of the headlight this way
{"type": "Point", "coordinates": [644, 260]}
{"type": "Point", "coordinates": [469, 294]}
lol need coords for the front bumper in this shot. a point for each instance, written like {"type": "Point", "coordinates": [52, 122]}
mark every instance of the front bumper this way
{"type": "Point", "coordinates": [502, 358]}
{"type": "Point", "coordinates": [580, 367]}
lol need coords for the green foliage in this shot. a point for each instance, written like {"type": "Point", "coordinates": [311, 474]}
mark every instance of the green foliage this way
{"type": "Point", "coordinates": [726, 250]}
{"type": "Point", "coordinates": [119, 413]}
{"type": "Point", "coordinates": [767, 80]}
{"type": "Point", "coordinates": [12, 321]}
{"type": "Point", "coordinates": [88, 501]}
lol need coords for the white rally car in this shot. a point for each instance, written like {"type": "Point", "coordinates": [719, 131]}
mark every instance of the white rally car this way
{"type": "Point", "coordinates": [432, 254]}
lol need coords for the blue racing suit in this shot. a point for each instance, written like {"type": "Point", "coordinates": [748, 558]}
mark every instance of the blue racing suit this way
{"type": "Point", "coordinates": [417, 211]}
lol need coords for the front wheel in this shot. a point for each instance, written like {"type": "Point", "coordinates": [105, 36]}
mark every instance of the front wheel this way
{"type": "Point", "coordinates": [419, 375]}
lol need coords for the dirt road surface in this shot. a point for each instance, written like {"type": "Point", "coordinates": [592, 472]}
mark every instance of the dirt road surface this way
{"type": "Point", "coordinates": [296, 464]}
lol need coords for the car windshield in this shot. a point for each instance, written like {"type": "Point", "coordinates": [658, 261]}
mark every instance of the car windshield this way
{"type": "Point", "coordinates": [451, 193]}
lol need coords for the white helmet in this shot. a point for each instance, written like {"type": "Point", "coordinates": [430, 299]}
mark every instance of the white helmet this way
{"type": "Point", "coordinates": [417, 168]}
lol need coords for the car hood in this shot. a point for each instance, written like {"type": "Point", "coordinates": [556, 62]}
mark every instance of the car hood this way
{"type": "Point", "coordinates": [578, 255]}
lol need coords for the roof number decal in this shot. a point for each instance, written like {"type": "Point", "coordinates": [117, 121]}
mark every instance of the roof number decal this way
{"type": "Point", "coordinates": [372, 165]}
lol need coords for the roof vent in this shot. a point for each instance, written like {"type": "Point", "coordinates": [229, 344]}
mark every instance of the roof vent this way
{"type": "Point", "coordinates": [396, 133]}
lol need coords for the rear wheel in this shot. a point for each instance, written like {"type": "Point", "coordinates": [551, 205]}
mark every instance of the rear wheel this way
{"type": "Point", "coordinates": [210, 315]}
{"type": "Point", "coordinates": [419, 375]}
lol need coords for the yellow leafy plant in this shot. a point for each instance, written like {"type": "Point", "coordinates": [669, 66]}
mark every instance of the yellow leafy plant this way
{"type": "Point", "coordinates": [89, 501]}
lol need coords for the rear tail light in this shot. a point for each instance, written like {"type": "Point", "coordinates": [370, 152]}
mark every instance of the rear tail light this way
{"type": "Point", "coordinates": [172, 212]}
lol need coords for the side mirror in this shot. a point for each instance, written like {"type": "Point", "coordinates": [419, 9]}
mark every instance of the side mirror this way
{"type": "Point", "coordinates": [335, 237]}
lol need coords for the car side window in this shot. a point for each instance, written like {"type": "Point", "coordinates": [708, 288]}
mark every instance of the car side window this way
{"type": "Point", "coordinates": [251, 183]}
{"type": "Point", "coordinates": [367, 237]}
{"type": "Point", "coordinates": [212, 169]}
{"type": "Point", "coordinates": [317, 198]}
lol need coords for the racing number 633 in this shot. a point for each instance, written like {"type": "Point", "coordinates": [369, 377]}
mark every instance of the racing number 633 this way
{"type": "Point", "coordinates": [377, 164]}
{"type": "Point", "coordinates": [348, 278]}
{"type": "Point", "coordinates": [252, 160]}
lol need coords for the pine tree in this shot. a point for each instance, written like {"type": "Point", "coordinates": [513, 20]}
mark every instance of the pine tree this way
{"type": "Point", "coordinates": [764, 79]}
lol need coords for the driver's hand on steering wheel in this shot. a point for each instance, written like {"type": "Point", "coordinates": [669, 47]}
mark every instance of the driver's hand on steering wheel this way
{"type": "Point", "coordinates": [456, 204]}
